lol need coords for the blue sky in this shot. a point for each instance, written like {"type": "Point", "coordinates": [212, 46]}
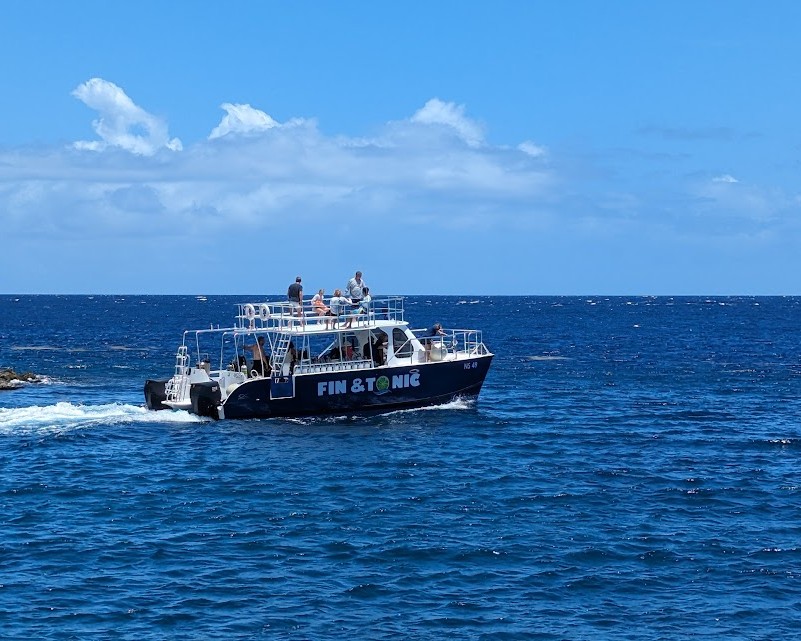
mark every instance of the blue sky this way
{"type": "Point", "coordinates": [441, 148]}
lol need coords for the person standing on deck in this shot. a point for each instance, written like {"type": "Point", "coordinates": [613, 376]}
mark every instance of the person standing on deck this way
{"type": "Point", "coordinates": [295, 295]}
{"type": "Point", "coordinates": [259, 358]}
{"type": "Point", "coordinates": [355, 288]}
{"type": "Point", "coordinates": [436, 330]}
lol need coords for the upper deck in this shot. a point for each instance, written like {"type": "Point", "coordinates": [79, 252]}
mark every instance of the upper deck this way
{"type": "Point", "coordinates": [280, 316]}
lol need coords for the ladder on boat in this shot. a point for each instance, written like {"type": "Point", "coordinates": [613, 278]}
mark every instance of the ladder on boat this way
{"type": "Point", "coordinates": [281, 385]}
{"type": "Point", "coordinates": [280, 350]}
{"type": "Point", "coordinates": [176, 386]}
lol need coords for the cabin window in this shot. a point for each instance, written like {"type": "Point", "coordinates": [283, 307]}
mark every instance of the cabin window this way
{"type": "Point", "coordinates": [400, 344]}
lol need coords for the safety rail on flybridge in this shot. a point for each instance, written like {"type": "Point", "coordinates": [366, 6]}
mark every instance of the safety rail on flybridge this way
{"type": "Point", "coordinates": [282, 316]}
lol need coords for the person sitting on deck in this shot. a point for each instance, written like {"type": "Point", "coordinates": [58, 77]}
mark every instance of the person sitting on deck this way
{"type": "Point", "coordinates": [320, 308]}
{"type": "Point", "coordinates": [363, 308]}
{"type": "Point", "coordinates": [339, 304]}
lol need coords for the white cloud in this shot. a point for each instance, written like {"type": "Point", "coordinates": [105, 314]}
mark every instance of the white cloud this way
{"type": "Point", "coordinates": [122, 123]}
{"type": "Point", "coordinates": [262, 183]}
{"type": "Point", "coordinates": [449, 114]}
{"type": "Point", "coordinates": [242, 119]}
{"type": "Point", "coordinates": [533, 150]}
{"type": "Point", "coordinates": [431, 171]}
{"type": "Point", "coordinates": [429, 180]}
{"type": "Point", "coordinates": [246, 120]}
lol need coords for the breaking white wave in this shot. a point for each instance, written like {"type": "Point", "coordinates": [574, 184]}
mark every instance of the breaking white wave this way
{"type": "Point", "coordinates": [37, 379]}
{"type": "Point", "coordinates": [63, 417]}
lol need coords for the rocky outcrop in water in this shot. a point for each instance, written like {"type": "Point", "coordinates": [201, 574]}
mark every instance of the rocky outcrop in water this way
{"type": "Point", "coordinates": [9, 379]}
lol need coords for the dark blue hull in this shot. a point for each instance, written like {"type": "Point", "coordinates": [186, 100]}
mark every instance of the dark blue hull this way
{"type": "Point", "coordinates": [368, 390]}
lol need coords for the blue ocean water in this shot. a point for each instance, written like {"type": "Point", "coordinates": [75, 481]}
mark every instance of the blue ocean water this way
{"type": "Point", "coordinates": [630, 471]}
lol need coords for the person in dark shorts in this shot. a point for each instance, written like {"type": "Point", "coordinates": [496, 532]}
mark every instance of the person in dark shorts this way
{"type": "Point", "coordinates": [295, 295]}
{"type": "Point", "coordinates": [259, 359]}
{"type": "Point", "coordinates": [355, 288]}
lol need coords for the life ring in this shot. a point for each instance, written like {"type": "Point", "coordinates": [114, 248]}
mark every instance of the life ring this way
{"type": "Point", "coordinates": [264, 312]}
{"type": "Point", "coordinates": [250, 312]}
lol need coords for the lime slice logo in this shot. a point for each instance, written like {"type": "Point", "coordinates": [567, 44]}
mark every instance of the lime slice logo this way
{"type": "Point", "coordinates": [382, 384]}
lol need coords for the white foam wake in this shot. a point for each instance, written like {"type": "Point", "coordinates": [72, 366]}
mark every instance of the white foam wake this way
{"type": "Point", "coordinates": [456, 404]}
{"type": "Point", "coordinates": [63, 417]}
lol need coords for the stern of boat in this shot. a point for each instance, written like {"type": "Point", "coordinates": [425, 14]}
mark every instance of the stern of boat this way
{"type": "Point", "coordinates": [156, 394]}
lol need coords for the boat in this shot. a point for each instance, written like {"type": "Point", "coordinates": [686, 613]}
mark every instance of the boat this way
{"type": "Point", "coordinates": [366, 360]}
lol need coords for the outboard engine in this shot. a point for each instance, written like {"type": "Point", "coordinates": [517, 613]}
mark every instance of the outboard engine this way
{"type": "Point", "coordinates": [155, 395]}
{"type": "Point", "coordinates": [205, 398]}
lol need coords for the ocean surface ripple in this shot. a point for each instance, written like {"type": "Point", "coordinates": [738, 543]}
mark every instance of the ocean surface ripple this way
{"type": "Point", "coordinates": [630, 471]}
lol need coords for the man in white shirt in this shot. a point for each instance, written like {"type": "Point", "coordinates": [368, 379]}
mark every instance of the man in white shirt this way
{"type": "Point", "coordinates": [354, 288]}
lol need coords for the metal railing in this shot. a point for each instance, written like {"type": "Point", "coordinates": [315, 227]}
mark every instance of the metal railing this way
{"type": "Point", "coordinates": [283, 316]}
{"type": "Point", "coordinates": [332, 366]}
{"type": "Point", "coordinates": [456, 342]}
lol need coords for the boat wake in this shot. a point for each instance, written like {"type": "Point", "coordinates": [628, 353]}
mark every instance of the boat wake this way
{"type": "Point", "coordinates": [64, 417]}
{"type": "Point", "coordinates": [456, 404]}
{"type": "Point", "coordinates": [370, 417]}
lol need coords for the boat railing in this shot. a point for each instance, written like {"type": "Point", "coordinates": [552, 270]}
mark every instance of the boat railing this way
{"type": "Point", "coordinates": [333, 366]}
{"type": "Point", "coordinates": [193, 338]}
{"type": "Point", "coordinates": [231, 345]}
{"type": "Point", "coordinates": [283, 316]}
{"type": "Point", "coordinates": [469, 341]}
{"type": "Point", "coordinates": [458, 342]}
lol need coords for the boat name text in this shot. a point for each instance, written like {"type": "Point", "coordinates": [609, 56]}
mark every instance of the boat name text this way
{"type": "Point", "coordinates": [378, 384]}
